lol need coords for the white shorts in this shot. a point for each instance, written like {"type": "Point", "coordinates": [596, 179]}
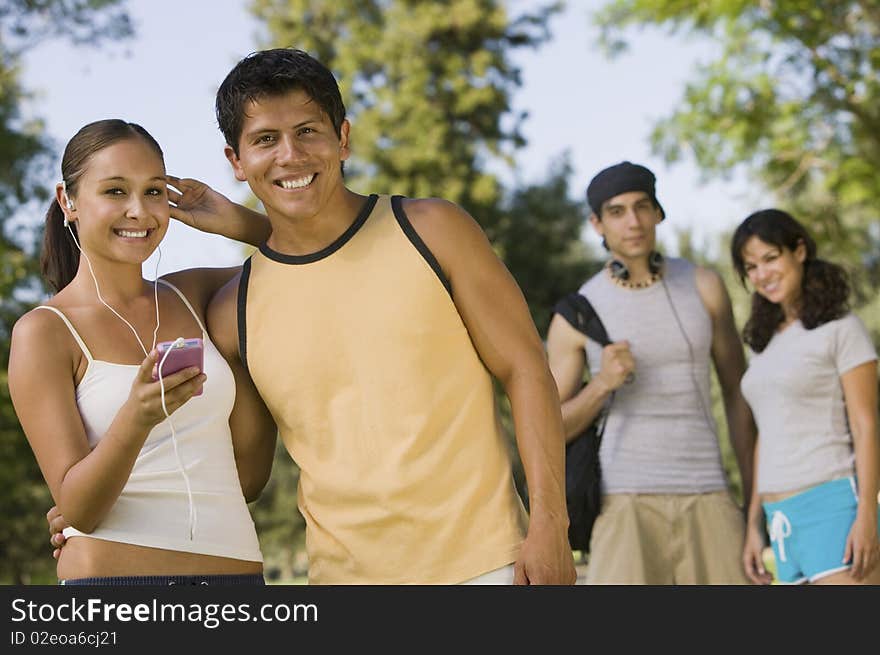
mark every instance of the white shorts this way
{"type": "Point", "coordinates": [502, 576]}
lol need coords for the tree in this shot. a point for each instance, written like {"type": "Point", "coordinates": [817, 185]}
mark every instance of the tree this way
{"type": "Point", "coordinates": [280, 526]}
{"type": "Point", "coordinates": [26, 23]}
{"type": "Point", "coordinates": [25, 158]}
{"type": "Point", "coordinates": [794, 97]}
{"type": "Point", "coordinates": [539, 238]}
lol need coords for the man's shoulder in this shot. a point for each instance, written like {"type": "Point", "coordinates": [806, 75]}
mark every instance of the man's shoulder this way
{"type": "Point", "coordinates": [222, 317]}
{"type": "Point", "coordinates": [593, 283]}
{"type": "Point", "coordinates": [446, 228]}
{"type": "Point", "coordinates": [435, 213]}
{"type": "Point", "coordinates": [707, 280]}
{"type": "Point", "coordinates": [223, 304]}
{"type": "Point", "coordinates": [680, 265]}
{"type": "Point", "coordinates": [689, 276]}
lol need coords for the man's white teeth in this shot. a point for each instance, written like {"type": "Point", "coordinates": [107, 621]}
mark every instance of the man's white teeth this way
{"type": "Point", "coordinates": [297, 184]}
{"type": "Point", "coordinates": [132, 234]}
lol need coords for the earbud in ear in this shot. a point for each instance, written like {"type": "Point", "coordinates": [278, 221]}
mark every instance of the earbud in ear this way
{"type": "Point", "coordinates": [67, 201]}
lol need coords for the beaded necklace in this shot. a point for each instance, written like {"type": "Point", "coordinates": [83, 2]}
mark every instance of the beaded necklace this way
{"type": "Point", "coordinates": [626, 284]}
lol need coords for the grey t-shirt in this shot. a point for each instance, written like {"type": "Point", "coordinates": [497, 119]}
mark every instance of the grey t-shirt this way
{"type": "Point", "coordinates": [660, 437]}
{"type": "Point", "coordinates": [796, 396]}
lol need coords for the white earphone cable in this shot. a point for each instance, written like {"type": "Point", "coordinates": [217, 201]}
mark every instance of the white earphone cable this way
{"type": "Point", "coordinates": [104, 302]}
{"type": "Point", "coordinates": [706, 412]}
{"type": "Point", "coordinates": [192, 507]}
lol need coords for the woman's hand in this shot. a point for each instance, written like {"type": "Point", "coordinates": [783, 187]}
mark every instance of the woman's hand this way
{"type": "Point", "coordinates": [862, 545]}
{"type": "Point", "coordinates": [753, 556]}
{"type": "Point", "coordinates": [199, 206]}
{"type": "Point", "coordinates": [145, 399]}
{"type": "Point", "coordinates": [56, 525]}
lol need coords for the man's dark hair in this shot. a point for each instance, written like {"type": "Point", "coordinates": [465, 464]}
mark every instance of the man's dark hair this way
{"type": "Point", "coordinates": [274, 73]}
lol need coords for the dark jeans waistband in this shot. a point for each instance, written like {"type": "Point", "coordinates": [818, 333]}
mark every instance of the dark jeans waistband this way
{"type": "Point", "coordinates": [164, 580]}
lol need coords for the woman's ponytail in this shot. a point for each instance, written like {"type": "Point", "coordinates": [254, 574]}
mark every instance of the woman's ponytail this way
{"type": "Point", "coordinates": [59, 259]}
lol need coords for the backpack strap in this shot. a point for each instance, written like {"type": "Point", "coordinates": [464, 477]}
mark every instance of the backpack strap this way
{"type": "Point", "coordinates": [577, 310]}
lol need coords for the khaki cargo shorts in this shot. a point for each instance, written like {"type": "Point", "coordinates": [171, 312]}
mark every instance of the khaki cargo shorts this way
{"type": "Point", "coordinates": [665, 539]}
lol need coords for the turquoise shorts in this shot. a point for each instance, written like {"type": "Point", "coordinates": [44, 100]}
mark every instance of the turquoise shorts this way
{"type": "Point", "coordinates": [809, 530]}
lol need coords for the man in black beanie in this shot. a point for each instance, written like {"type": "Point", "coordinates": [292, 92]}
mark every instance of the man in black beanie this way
{"type": "Point", "coordinates": [618, 179]}
{"type": "Point", "coordinates": [667, 514]}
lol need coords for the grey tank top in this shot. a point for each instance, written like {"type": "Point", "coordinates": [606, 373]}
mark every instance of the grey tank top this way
{"type": "Point", "coordinates": [660, 436]}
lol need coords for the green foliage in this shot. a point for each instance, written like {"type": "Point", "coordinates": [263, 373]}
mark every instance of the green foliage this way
{"type": "Point", "coordinates": [25, 499]}
{"type": "Point", "coordinates": [538, 237]}
{"type": "Point", "coordinates": [25, 160]}
{"type": "Point", "coordinates": [793, 97]}
{"type": "Point", "coordinates": [280, 526]}
{"type": "Point", "coordinates": [26, 22]}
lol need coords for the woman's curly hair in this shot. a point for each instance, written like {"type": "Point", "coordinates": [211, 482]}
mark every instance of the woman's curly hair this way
{"type": "Point", "coordinates": [825, 286]}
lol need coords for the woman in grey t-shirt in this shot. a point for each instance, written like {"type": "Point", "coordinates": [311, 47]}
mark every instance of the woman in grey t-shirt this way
{"type": "Point", "coordinates": [812, 387]}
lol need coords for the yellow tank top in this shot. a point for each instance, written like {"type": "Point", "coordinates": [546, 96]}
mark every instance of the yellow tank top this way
{"type": "Point", "coordinates": [380, 398]}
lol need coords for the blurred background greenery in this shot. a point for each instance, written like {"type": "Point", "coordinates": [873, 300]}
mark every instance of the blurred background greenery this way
{"type": "Point", "coordinates": [792, 97]}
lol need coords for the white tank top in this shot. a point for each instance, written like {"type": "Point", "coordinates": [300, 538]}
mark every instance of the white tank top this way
{"type": "Point", "coordinates": [188, 501]}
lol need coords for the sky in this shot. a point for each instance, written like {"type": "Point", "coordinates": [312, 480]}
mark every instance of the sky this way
{"type": "Point", "coordinates": [601, 111]}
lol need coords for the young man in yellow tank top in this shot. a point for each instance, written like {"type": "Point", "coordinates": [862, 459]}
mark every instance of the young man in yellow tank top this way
{"type": "Point", "coordinates": [371, 327]}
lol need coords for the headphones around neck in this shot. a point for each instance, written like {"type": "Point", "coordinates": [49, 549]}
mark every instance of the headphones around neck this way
{"type": "Point", "coordinates": [619, 271]}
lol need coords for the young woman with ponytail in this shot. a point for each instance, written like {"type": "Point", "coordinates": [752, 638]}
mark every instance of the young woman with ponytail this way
{"type": "Point", "coordinates": [812, 387]}
{"type": "Point", "coordinates": [145, 473]}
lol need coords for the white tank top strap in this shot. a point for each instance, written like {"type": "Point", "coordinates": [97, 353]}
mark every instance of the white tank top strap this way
{"type": "Point", "coordinates": [70, 327]}
{"type": "Point", "coordinates": [185, 302]}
